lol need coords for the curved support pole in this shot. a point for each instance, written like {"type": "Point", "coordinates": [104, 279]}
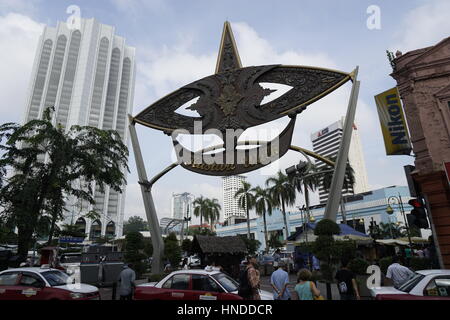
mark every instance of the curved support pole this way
{"type": "Point", "coordinates": [149, 205]}
{"type": "Point", "coordinates": [312, 154]}
{"type": "Point", "coordinates": [162, 173]}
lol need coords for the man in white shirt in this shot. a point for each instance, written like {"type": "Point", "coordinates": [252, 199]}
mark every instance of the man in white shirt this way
{"type": "Point", "coordinates": [397, 273]}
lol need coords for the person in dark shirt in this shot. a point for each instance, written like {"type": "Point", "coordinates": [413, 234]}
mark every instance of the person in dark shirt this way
{"type": "Point", "coordinates": [346, 282]}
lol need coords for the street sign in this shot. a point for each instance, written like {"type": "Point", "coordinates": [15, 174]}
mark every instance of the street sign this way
{"type": "Point", "coordinates": [71, 240]}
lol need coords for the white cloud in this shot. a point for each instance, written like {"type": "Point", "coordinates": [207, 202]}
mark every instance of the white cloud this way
{"type": "Point", "coordinates": [424, 26]}
{"type": "Point", "coordinates": [18, 5]}
{"type": "Point", "coordinates": [20, 35]}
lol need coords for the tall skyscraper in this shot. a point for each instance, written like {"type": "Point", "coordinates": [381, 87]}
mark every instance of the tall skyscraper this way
{"type": "Point", "coordinates": [231, 209]}
{"type": "Point", "coordinates": [182, 205]}
{"type": "Point", "coordinates": [326, 142]}
{"type": "Point", "coordinates": [88, 75]}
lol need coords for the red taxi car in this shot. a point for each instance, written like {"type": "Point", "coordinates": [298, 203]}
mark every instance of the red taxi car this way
{"type": "Point", "coordinates": [43, 284]}
{"type": "Point", "coordinates": [193, 285]}
{"type": "Point", "coordinates": [424, 285]}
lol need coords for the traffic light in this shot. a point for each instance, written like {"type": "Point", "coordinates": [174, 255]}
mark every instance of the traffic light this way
{"type": "Point", "coordinates": [418, 216]}
{"type": "Point", "coordinates": [296, 170]}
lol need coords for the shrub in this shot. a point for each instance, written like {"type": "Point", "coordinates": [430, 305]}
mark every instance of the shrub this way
{"type": "Point", "coordinates": [326, 227]}
{"type": "Point", "coordinates": [358, 266]}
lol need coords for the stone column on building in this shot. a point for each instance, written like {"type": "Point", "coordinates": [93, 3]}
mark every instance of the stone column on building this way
{"type": "Point", "coordinates": [423, 78]}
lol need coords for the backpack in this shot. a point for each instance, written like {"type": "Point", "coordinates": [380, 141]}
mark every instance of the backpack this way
{"type": "Point", "coordinates": [245, 291]}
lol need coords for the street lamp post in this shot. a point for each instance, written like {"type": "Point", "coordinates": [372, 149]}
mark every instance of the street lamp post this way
{"type": "Point", "coordinates": [390, 210]}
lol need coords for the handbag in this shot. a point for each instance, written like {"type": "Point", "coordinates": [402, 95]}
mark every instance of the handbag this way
{"type": "Point", "coordinates": [314, 297]}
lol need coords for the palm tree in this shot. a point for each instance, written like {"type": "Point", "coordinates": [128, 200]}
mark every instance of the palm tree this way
{"type": "Point", "coordinates": [263, 204]}
{"type": "Point", "coordinates": [213, 214]}
{"type": "Point", "coordinates": [246, 200]}
{"type": "Point", "coordinates": [283, 194]}
{"type": "Point", "coordinates": [201, 209]}
{"type": "Point", "coordinates": [308, 180]}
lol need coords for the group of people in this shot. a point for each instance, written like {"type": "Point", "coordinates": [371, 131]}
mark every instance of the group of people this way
{"type": "Point", "coordinates": [306, 288]}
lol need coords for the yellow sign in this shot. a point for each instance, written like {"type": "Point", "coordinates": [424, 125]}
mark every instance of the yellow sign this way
{"type": "Point", "coordinates": [393, 124]}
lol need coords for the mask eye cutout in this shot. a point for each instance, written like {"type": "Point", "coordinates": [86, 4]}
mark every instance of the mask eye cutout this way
{"type": "Point", "coordinates": [184, 111]}
{"type": "Point", "coordinates": [280, 90]}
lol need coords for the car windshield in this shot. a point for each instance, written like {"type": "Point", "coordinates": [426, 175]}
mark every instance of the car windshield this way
{"type": "Point", "coordinates": [55, 277]}
{"type": "Point", "coordinates": [228, 283]}
{"type": "Point", "coordinates": [411, 283]}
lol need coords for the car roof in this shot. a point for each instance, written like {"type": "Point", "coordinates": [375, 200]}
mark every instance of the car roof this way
{"type": "Point", "coordinates": [30, 269]}
{"type": "Point", "coordinates": [195, 271]}
{"type": "Point", "coordinates": [434, 272]}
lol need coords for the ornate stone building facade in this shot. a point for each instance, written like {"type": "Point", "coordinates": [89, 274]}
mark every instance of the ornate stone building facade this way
{"type": "Point", "coordinates": [423, 78]}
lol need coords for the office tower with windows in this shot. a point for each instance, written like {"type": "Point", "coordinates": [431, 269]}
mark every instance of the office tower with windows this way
{"type": "Point", "coordinates": [232, 212]}
{"type": "Point", "coordinates": [326, 142]}
{"type": "Point", "coordinates": [88, 75]}
{"type": "Point", "coordinates": [182, 205]}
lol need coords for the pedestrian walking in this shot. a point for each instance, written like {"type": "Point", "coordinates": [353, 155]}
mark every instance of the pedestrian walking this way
{"type": "Point", "coordinates": [127, 280]}
{"type": "Point", "coordinates": [305, 288]}
{"type": "Point", "coordinates": [249, 280]}
{"type": "Point", "coordinates": [398, 273]}
{"type": "Point", "coordinates": [276, 257]}
{"type": "Point", "coordinates": [280, 281]}
{"type": "Point", "coordinates": [185, 264]}
{"type": "Point", "coordinates": [346, 281]}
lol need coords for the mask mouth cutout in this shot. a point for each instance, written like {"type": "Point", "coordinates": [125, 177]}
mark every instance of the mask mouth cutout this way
{"type": "Point", "coordinates": [237, 158]}
{"type": "Point", "coordinates": [252, 138]}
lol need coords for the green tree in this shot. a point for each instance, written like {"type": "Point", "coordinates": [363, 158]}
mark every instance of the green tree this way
{"type": "Point", "coordinates": [263, 206]}
{"type": "Point", "coordinates": [201, 209]}
{"type": "Point", "coordinates": [172, 250]}
{"type": "Point", "coordinates": [307, 180]}
{"type": "Point", "coordinates": [186, 246]}
{"type": "Point", "coordinates": [246, 201]}
{"type": "Point", "coordinates": [134, 244]}
{"type": "Point", "coordinates": [325, 249]}
{"type": "Point", "coordinates": [85, 155]}
{"type": "Point", "coordinates": [134, 224]}
{"type": "Point", "coordinates": [213, 214]}
{"type": "Point", "coordinates": [251, 244]}
{"type": "Point", "coordinates": [274, 242]}
{"type": "Point", "coordinates": [282, 192]}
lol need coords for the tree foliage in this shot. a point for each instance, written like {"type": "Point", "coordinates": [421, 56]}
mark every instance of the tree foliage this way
{"type": "Point", "coordinates": [246, 201]}
{"type": "Point", "coordinates": [135, 224]}
{"type": "Point", "coordinates": [172, 250]}
{"type": "Point", "coordinates": [251, 244]}
{"type": "Point", "coordinates": [50, 164]}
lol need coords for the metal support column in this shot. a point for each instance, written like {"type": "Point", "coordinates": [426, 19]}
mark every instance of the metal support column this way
{"type": "Point", "coordinates": [152, 217]}
{"type": "Point", "coordinates": [341, 162]}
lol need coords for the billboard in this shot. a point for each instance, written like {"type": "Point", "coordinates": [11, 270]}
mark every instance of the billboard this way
{"type": "Point", "coordinates": [393, 124]}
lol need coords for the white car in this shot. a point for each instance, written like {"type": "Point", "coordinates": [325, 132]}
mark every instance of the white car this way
{"type": "Point", "coordinates": [43, 284]}
{"type": "Point", "coordinates": [424, 285]}
{"type": "Point", "coordinates": [193, 285]}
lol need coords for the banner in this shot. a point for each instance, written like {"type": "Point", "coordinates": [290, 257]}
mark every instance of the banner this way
{"type": "Point", "coordinates": [393, 124]}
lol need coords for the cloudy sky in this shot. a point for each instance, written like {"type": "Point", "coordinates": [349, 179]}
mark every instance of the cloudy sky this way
{"type": "Point", "coordinates": [177, 43]}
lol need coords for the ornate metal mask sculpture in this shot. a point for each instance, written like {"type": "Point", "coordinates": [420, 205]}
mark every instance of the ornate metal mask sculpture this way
{"type": "Point", "coordinates": [230, 100]}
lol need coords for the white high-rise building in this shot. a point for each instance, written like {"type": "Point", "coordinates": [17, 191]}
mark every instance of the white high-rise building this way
{"type": "Point", "coordinates": [182, 205]}
{"type": "Point", "coordinates": [88, 75]}
{"type": "Point", "coordinates": [231, 208]}
{"type": "Point", "coordinates": [326, 142]}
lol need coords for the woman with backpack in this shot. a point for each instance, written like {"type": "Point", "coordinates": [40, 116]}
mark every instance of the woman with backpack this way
{"type": "Point", "coordinates": [305, 288]}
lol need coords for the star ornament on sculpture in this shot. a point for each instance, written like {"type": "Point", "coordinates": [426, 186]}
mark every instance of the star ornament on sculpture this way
{"type": "Point", "coordinates": [230, 101]}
